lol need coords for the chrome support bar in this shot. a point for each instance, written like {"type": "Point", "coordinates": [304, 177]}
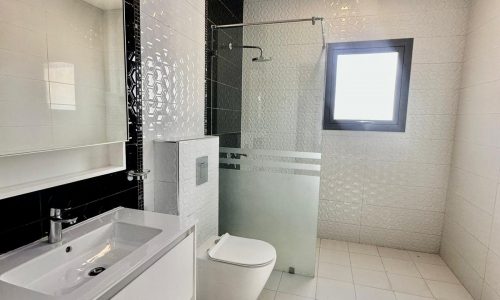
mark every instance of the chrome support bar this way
{"type": "Point", "coordinates": [323, 32]}
{"type": "Point", "coordinates": [133, 174]}
{"type": "Point", "coordinates": [313, 20]}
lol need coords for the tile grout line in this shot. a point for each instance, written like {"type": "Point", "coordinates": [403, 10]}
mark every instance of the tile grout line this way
{"type": "Point", "coordinates": [422, 276]}
{"type": "Point", "coordinates": [317, 271]}
{"type": "Point", "coordinates": [352, 273]}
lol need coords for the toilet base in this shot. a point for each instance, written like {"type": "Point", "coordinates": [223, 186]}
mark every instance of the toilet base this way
{"type": "Point", "coordinates": [223, 281]}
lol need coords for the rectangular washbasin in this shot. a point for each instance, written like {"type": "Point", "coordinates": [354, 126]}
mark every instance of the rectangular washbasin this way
{"type": "Point", "coordinates": [62, 270]}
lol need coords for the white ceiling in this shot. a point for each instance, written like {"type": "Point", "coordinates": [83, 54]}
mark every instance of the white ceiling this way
{"type": "Point", "coordinates": [106, 4]}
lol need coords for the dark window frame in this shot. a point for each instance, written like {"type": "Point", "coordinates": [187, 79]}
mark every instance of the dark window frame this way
{"type": "Point", "coordinates": [405, 48]}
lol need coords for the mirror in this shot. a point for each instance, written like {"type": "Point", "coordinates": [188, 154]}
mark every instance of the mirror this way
{"type": "Point", "coordinates": [62, 75]}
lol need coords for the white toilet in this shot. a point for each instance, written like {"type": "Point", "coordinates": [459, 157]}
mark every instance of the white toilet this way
{"type": "Point", "coordinates": [232, 267]}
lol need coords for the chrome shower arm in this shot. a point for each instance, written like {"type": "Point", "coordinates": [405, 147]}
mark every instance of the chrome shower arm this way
{"type": "Point", "coordinates": [231, 47]}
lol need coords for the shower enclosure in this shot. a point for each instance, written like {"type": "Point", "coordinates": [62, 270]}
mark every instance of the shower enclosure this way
{"type": "Point", "coordinates": [266, 106]}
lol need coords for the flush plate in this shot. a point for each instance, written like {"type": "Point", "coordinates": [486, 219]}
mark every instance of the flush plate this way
{"type": "Point", "coordinates": [201, 170]}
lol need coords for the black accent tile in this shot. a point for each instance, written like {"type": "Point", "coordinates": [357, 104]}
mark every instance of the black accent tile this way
{"type": "Point", "coordinates": [231, 140]}
{"type": "Point", "coordinates": [20, 236]}
{"type": "Point", "coordinates": [235, 6]}
{"type": "Point", "coordinates": [228, 73]}
{"type": "Point", "coordinates": [219, 13]}
{"type": "Point", "coordinates": [18, 211]}
{"type": "Point", "coordinates": [223, 37]}
{"type": "Point", "coordinates": [223, 71]}
{"type": "Point", "coordinates": [226, 121]}
{"type": "Point", "coordinates": [226, 97]}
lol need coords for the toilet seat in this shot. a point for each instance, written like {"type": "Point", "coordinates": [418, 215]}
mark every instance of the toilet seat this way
{"type": "Point", "coordinates": [242, 251]}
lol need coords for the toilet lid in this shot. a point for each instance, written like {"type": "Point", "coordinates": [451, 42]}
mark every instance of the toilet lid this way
{"type": "Point", "coordinates": [242, 251]}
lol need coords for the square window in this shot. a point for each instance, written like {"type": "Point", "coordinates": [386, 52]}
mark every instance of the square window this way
{"type": "Point", "coordinates": [367, 85]}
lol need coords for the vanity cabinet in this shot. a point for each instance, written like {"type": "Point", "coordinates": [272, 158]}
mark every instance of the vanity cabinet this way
{"type": "Point", "coordinates": [172, 277]}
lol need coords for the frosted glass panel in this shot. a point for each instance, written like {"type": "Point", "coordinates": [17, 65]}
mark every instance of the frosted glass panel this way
{"type": "Point", "coordinates": [365, 86]}
{"type": "Point", "coordinates": [278, 208]}
{"type": "Point", "coordinates": [273, 196]}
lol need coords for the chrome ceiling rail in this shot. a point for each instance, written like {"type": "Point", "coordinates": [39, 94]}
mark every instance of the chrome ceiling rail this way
{"type": "Point", "coordinates": [313, 20]}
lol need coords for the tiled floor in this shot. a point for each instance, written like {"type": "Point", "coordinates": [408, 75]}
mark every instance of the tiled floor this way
{"type": "Point", "coordinates": [350, 271]}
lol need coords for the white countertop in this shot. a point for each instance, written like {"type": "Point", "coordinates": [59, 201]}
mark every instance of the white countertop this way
{"type": "Point", "coordinates": [119, 274]}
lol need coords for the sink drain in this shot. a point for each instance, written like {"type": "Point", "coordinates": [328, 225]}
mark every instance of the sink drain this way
{"type": "Point", "coordinates": [96, 271]}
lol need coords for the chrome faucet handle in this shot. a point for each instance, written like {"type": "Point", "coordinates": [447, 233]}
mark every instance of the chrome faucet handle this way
{"type": "Point", "coordinates": [56, 215]}
{"type": "Point", "coordinates": [70, 221]}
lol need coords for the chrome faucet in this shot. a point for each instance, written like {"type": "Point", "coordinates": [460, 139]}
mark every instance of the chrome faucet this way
{"type": "Point", "coordinates": [56, 221]}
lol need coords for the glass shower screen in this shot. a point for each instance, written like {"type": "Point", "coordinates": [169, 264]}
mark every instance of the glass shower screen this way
{"type": "Point", "coordinates": [269, 123]}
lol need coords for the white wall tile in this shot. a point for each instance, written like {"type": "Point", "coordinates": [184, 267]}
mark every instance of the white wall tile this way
{"type": "Point", "coordinates": [492, 275]}
{"type": "Point", "coordinates": [338, 211]}
{"type": "Point", "coordinates": [402, 219]}
{"type": "Point", "coordinates": [475, 221]}
{"type": "Point", "coordinates": [470, 229]}
{"type": "Point", "coordinates": [173, 69]}
{"type": "Point", "coordinates": [400, 239]}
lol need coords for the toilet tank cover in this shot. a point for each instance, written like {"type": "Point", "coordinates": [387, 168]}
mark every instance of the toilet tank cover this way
{"type": "Point", "coordinates": [242, 251]}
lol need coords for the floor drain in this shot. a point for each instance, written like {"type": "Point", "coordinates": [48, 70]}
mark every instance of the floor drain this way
{"type": "Point", "coordinates": [96, 271]}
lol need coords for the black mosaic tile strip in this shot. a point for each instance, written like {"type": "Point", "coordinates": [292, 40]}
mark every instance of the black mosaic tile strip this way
{"type": "Point", "coordinates": [134, 93]}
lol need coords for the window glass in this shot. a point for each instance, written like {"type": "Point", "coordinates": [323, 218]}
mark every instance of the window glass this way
{"type": "Point", "coordinates": [365, 86]}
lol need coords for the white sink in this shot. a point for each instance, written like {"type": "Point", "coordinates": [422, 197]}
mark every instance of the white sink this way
{"type": "Point", "coordinates": [60, 272]}
{"type": "Point", "coordinates": [96, 258]}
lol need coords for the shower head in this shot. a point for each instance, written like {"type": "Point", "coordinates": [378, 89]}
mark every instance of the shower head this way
{"type": "Point", "coordinates": [260, 58]}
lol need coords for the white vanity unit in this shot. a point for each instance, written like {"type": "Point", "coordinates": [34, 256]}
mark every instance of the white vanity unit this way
{"type": "Point", "coordinates": [121, 254]}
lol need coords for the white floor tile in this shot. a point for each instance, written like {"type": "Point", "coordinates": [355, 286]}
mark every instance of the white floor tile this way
{"type": "Point", "coordinates": [437, 272]}
{"type": "Point", "coordinates": [399, 266]}
{"type": "Point", "coordinates": [409, 285]}
{"type": "Point", "coordinates": [284, 296]}
{"type": "Point", "coordinates": [333, 271]}
{"type": "Point", "coordinates": [393, 253]}
{"type": "Point", "coordinates": [426, 258]}
{"type": "Point", "coordinates": [267, 295]}
{"type": "Point", "coordinates": [334, 257]}
{"type": "Point", "coordinates": [448, 291]}
{"type": "Point", "coordinates": [273, 281]}
{"type": "Point", "coordinates": [366, 262]}
{"type": "Point", "coordinates": [363, 249]}
{"type": "Point", "coordinates": [334, 245]}
{"type": "Point", "coordinates": [352, 271]}
{"type": "Point", "coordinates": [334, 290]}
{"type": "Point", "coordinates": [368, 293]}
{"type": "Point", "coordinates": [401, 296]}
{"type": "Point", "coordinates": [370, 278]}
{"type": "Point", "coordinates": [297, 285]}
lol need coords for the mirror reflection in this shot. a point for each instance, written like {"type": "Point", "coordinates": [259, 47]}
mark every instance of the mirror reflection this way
{"type": "Point", "coordinates": [62, 75]}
